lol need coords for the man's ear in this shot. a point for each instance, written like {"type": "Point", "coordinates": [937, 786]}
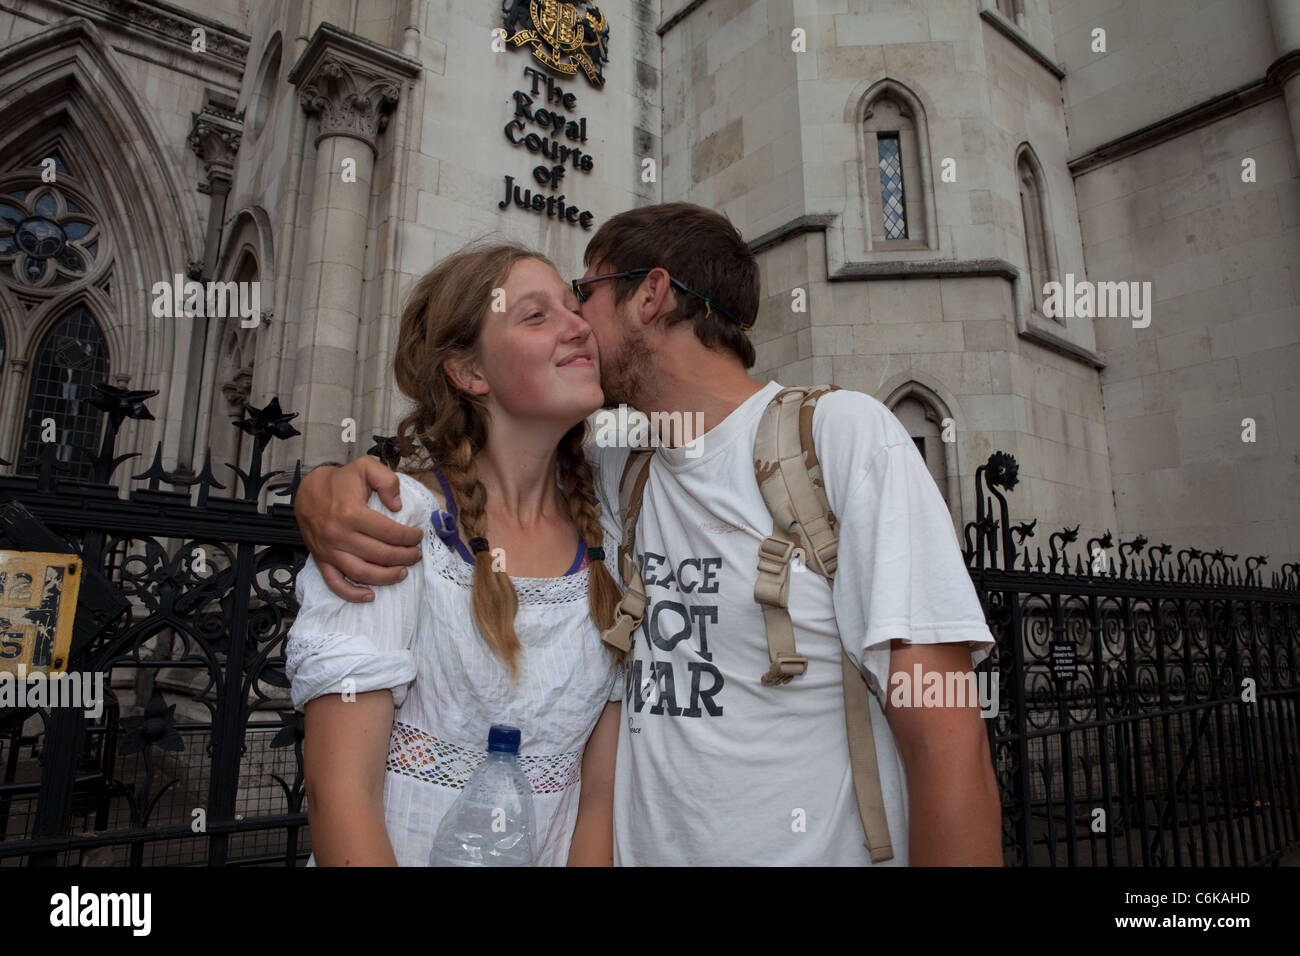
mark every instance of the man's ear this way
{"type": "Point", "coordinates": [465, 374]}
{"type": "Point", "coordinates": [656, 296]}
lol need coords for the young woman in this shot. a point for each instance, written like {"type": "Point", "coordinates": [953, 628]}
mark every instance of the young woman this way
{"type": "Point", "coordinates": [500, 621]}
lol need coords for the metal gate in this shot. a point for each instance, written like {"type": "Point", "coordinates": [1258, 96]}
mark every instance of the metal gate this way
{"type": "Point", "coordinates": [1147, 715]}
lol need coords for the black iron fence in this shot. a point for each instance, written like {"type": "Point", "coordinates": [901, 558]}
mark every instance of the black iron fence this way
{"type": "Point", "coordinates": [1147, 710]}
{"type": "Point", "coordinates": [1148, 705]}
{"type": "Point", "coordinates": [197, 756]}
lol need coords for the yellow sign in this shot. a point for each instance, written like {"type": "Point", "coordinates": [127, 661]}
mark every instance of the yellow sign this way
{"type": "Point", "coordinates": [38, 602]}
{"type": "Point", "coordinates": [565, 36]}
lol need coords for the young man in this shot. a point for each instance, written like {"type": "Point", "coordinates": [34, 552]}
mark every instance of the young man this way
{"type": "Point", "coordinates": [714, 766]}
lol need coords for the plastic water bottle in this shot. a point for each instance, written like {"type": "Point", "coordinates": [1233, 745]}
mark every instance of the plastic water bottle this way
{"type": "Point", "coordinates": [491, 823]}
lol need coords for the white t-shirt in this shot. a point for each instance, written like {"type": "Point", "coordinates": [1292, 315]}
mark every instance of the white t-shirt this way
{"type": "Point", "coordinates": [420, 638]}
{"type": "Point", "coordinates": [716, 768]}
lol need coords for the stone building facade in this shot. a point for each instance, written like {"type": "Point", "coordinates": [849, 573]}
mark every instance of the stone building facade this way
{"type": "Point", "coordinates": [934, 190]}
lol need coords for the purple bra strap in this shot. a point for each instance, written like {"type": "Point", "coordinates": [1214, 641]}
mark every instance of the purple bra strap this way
{"type": "Point", "coordinates": [446, 525]}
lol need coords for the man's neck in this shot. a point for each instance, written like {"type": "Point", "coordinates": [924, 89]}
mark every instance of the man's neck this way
{"type": "Point", "coordinates": [693, 379]}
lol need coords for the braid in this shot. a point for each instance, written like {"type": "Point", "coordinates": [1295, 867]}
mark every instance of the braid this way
{"type": "Point", "coordinates": [495, 601]}
{"type": "Point", "coordinates": [579, 494]}
{"type": "Point", "coordinates": [446, 426]}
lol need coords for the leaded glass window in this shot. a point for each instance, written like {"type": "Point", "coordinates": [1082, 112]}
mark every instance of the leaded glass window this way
{"type": "Point", "coordinates": [1038, 257]}
{"type": "Point", "coordinates": [891, 185]}
{"type": "Point", "coordinates": [46, 238]}
{"type": "Point", "coordinates": [71, 358]}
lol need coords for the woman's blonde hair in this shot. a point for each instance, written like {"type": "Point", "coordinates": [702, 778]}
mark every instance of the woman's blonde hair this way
{"type": "Point", "coordinates": [443, 319]}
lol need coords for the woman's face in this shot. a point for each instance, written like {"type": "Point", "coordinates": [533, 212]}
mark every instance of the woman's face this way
{"type": "Point", "coordinates": [538, 356]}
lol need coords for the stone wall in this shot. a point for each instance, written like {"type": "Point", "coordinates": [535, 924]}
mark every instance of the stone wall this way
{"type": "Point", "coordinates": [941, 316]}
{"type": "Point", "coordinates": [1200, 404]}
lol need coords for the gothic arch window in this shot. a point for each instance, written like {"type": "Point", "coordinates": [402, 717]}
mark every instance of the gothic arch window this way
{"type": "Point", "coordinates": [895, 170]}
{"type": "Point", "coordinates": [924, 423]}
{"type": "Point", "coordinates": [1039, 249]}
{"type": "Point", "coordinates": [56, 264]}
{"type": "Point", "coordinates": [893, 212]}
{"type": "Point", "coordinates": [80, 106]}
{"type": "Point", "coordinates": [71, 357]}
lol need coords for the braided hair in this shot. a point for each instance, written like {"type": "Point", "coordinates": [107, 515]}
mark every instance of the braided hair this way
{"type": "Point", "coordinates": [447, 428]}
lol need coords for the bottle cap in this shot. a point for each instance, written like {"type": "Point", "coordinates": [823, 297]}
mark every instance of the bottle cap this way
{"type": "Point", "coordinates": [504, 739]}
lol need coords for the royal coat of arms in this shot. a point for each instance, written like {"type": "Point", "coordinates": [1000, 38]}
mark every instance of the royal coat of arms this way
{"type": "Point", "coordinates": [564, 35]}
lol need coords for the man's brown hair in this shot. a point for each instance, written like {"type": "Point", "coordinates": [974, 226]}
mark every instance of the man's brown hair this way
{"type": "Point", "coordinates": [700, 249]}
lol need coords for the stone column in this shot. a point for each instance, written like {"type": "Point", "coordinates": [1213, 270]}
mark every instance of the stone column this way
{"type": "Point", "coordinates": [350, 85]}
{"type": "Point", "coordinates": [1285, 71]}
{"type": "Point", "coordinates": [12, 434]}
{"type": "Point", "coordinates": [215, 134]}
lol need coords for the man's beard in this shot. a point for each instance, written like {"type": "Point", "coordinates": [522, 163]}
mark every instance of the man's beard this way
{"type": "Point", "coordinates": [623, 377]}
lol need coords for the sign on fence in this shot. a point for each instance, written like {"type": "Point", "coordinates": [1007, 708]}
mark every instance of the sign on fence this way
{"type": "Point", "coordinates": [1063, 660]}
{"type": "Point", "coordinates": [38, 603]}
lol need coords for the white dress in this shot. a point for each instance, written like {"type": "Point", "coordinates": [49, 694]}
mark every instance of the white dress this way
{"type": "Point", "coordinates": [420, 638]}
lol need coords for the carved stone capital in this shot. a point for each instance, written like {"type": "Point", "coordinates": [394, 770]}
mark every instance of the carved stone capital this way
{"type": "Point", "coordinates": [350, 83]}
{"type": "Point", "coordinates": [215, 134]}
{"type": "Point", "coordinates": [348, 103]}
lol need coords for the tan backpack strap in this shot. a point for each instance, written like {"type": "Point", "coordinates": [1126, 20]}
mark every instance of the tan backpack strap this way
{"type": "Point", "coordinates": [802, 473]}
{"type": "Point", "coordinates": [862, 758]}
{"type": "Point", "coordinates": [789, 478]}
{"type": "Point", "coordinates": [631, 609]}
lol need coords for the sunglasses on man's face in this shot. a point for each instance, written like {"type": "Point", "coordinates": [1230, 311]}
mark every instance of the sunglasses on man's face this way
{"type": "Point", "coordinates": [578, 290]}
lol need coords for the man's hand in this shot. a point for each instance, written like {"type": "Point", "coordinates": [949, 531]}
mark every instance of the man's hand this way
{"type": "Point", "coordinates": [954, 811]}
{"type": "Point", "coordinates": [345, 536]}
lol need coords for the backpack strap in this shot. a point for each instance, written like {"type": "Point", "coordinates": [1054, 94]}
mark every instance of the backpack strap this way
{"type": "Point", "coordinates": [862, 759]}
{"type": "Point", "coordinates": [631, 609]}
{"type": "Point", "coordinates": [789, 477]}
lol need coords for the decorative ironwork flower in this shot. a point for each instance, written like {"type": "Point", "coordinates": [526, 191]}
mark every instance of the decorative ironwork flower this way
{"type": "Point", "coordinates": [386, 449]}
{"type": "Point", "coordinates": [154, 728]}
{"type": "Point", "coordinates": [1002, 470]}
{"type": "Point", "coordinates": [292, 731]}
{"type": "Point", "coordinates": [121, 403]}
{"type": "Point", "coordinates": [1024, 530]}
{"type": "Point", "coordinates": [267, 423]}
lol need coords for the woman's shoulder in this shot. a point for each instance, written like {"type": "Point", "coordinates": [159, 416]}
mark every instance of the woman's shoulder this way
{"type": "Point", "coordinates": [423, 483]}
{"type": "Point", "coordinates": [417, 497]}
